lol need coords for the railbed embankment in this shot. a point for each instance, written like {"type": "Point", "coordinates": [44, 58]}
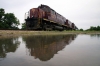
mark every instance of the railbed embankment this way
{"type": "Point", "coordinates": [27, 32]}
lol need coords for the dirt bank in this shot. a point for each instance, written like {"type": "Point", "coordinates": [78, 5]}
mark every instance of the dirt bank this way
{"type": "Point", "coordinates": [21, 32]}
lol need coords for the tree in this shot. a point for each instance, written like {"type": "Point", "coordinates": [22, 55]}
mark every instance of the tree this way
{"type": "Point", "coordinates": [92, 28]}
{"type": "Point", "coordinates": [1, 12]}
{"type": "Point", "coordinates": [1, 17]}
{"type": "Point", "coordinates": [23, 25]}
{"type": "Point", "coordinates": [11, 21]}
{"type": "Point", "coordinates": [81, 29]}
{"type": "Point", "coordinates": [8, 20]}
{"type": "Point", "coordinates": [98, 28]}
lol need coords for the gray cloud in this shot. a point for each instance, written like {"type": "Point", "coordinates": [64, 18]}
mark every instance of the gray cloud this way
{"type": "Point", "coordinates": [84, 13]}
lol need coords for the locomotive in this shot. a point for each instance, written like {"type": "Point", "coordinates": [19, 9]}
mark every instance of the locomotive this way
{"type": "Point", "coordinates": [45, 18]}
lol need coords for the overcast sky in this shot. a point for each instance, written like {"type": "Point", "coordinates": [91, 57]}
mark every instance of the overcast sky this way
{"type": "Point", "coordinates": [84, 13]}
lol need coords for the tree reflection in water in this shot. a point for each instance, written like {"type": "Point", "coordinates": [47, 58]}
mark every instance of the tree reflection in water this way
{"type": "Point", "coordinates": [95, 35]}
{"type": "Point", "coordinates": [45, 47]}
{"type": "Point", "coordinates": [8, 45]}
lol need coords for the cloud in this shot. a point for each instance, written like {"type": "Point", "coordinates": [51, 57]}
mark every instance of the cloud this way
{"type": "Point", "coordinates": [84, 13]}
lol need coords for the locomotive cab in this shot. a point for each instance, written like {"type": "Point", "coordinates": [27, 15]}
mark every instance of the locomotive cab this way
{"type": "Point", "coordinates": [33, 18]}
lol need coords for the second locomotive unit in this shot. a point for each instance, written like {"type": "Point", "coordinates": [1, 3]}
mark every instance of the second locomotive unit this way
{"type": "Point", "coordinates": [45, 18]}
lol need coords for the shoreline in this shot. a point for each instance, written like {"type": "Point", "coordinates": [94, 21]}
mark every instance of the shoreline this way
{"type": "Point", "coordinates": [26, 32]}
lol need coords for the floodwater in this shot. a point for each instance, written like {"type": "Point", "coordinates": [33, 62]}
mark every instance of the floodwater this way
{"type": "Point", "coordinates": [65, 50]}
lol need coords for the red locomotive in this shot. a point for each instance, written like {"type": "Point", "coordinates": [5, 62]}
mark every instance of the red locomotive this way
{"type": "Point", "coordinates": [45, 18]}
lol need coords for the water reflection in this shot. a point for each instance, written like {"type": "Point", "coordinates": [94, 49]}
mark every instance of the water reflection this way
{"type": "Point", "coordinates": [95, 35]}
{"type": "Point", "coordinates": [59, 50]}
{"type": "Point", "coordinates": [45, 47]}
{"type": "Point", "coordinates": [8, 45]}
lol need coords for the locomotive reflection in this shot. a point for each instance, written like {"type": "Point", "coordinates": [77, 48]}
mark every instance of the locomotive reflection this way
{"type": "Point", "coordinates": [45, 47]}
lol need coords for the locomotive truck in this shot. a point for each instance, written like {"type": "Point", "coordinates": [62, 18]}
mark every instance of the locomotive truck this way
{"type": "Point", "coordinates": [45, 18]}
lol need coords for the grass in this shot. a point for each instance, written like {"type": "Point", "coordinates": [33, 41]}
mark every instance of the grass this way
{"type": "Point", "coordinates": [25, 32]}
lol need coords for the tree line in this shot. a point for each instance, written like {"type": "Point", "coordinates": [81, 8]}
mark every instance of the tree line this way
{"type": "Point", "coordinates": [92, 28]}
{"type": "Point", "coordinates": [8, 20]}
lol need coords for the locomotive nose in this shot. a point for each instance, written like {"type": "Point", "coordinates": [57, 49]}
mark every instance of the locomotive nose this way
{"type": "Point", "coordinates": [32, 21]}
